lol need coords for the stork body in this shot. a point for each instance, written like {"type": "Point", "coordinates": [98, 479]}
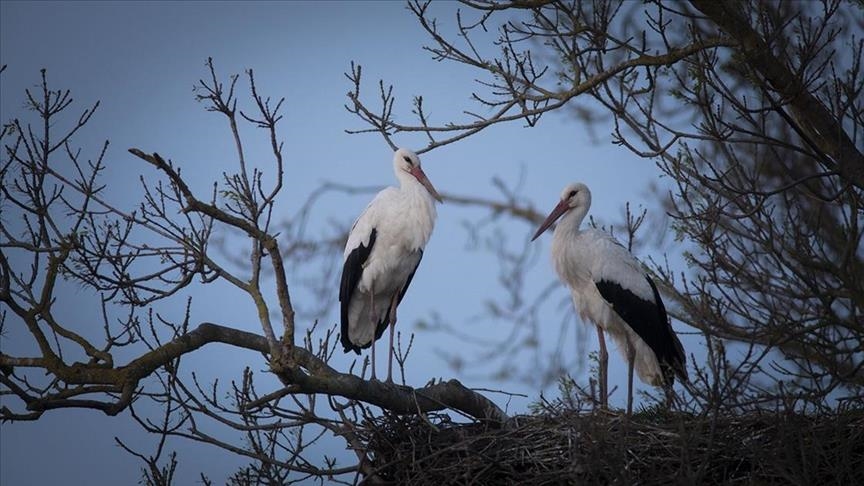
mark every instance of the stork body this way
{"type": "Point", "coordinates": [384, 249]}
{"type": "Point", "coordinates": [610, 290]}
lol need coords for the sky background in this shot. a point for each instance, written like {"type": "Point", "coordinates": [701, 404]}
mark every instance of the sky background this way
{"type": "Point", "coordinates": [140, 60]}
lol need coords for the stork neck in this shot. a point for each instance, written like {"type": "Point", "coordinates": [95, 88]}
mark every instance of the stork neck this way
{"type": "Point", "coordinates": [407, 182]}
{"type": "Point", "coordinates": [569, 224]}
{"type": "Point", "coordinates": [418, 206]}
{"type": "Point", "coordinates": [410, 186]}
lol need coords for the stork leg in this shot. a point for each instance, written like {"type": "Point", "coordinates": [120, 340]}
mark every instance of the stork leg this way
{"type": "Point", "coordinates": [393, 304]}
{"type": "Point", "coordinates": [670, 395]}
{"type": "Point", "coordinates": [631, 358]}
{"type": "Point", "coordinates": [373, 318]}
{"type": "Point", "coordinates": [603, 369]}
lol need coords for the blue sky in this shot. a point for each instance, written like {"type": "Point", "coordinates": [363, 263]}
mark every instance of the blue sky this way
{"type": "Point", "coordinates": [140, 60]}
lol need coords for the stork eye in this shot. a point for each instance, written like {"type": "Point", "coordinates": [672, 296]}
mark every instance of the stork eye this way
{"type": "Point", "coordinates": [572, 193]}
{"type": "Point", "coordinates": [407, 159]}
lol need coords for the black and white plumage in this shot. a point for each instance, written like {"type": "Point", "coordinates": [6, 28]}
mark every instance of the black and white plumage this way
{"type": "Point", "coordinates": [611, 290]}
{"type": "Point", "coordinates": [383, 251]}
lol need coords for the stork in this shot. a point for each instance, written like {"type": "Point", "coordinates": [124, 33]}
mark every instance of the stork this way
{"type": "Point", "coordinates": [383, 251]}
{"type": "Point", "coordinates": [610, 289]}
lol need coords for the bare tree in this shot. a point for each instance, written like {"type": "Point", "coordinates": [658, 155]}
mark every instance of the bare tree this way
{"type": "Point", "coordinates": [753, 109]}
{"type": "Point", "coordinates": [60, 229]}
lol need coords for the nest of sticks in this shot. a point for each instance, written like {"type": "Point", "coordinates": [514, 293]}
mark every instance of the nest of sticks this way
{"type": "Point", "coordinates": [573, 447]}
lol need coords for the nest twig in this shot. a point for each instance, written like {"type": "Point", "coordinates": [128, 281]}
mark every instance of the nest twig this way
{"type": "Point", "coordinates": [573, 447]}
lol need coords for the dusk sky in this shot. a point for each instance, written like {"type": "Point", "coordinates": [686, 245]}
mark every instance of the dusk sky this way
{"type": "Point", "coordinates": [140, 60]}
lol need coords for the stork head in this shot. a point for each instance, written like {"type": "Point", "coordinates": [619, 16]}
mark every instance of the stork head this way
{"type": "Point", "coordinates": [406, 161]}
{"type": "Point", "coordinates": [575, 195]}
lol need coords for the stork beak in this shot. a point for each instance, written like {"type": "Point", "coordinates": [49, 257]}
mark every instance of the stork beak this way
{"type": "Point", "coordinates": [556, 213]}
{"type": "Point", "coordinates": [418, 173]}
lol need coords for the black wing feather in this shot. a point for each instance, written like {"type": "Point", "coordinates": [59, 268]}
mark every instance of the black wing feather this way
{"type": "Point", "coordinates": [351, 273]}
{"type": "Point", "coordinates": [379, 331]}
{"type": "Point", "coordinates": [678, 361]}
{"type": "Point", "coordinates": [649, 321]}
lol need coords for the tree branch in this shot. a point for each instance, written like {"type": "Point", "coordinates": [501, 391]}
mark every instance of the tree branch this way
{"type": "Point", "coordinates": [811, 115]}
{"type": "Point", "coordinates": [320, 379]}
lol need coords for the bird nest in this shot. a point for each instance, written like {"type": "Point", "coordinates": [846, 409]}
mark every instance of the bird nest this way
{"type": "Point", "coordinates": [571, 447]}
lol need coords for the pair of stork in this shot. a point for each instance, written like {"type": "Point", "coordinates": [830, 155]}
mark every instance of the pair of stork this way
{"type": "Point", "coordinates": [607, 284]}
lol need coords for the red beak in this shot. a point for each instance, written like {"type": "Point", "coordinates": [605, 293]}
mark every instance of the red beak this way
{"type": "Point", "coordinates": [418, 173]}
{"type": "Point", "coordinates": [556, 213]}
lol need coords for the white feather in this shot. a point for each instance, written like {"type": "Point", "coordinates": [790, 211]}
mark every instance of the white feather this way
{"type": "Point", "coordinates": [582, 258]}
{"type": "Point", "coordinates": [592, 256]}
{"type": "Point", "coordinates": [403, 218]}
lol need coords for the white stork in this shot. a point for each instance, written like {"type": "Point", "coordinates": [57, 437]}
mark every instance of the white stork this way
{"type": "Point", "coordinates": [610, 289]}
{"type": "Point", "coordinates": [383, 251]}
